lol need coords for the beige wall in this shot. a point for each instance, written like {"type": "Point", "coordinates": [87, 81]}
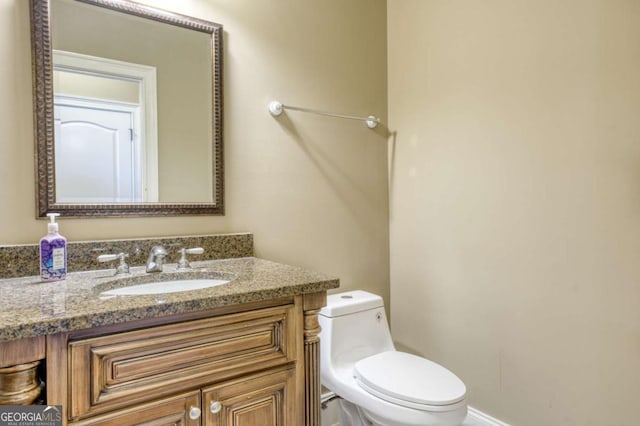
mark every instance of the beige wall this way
{"type": "Point", "coordinates": [515, 201]}
{"type": "Point", "coordinates": [312, 189]}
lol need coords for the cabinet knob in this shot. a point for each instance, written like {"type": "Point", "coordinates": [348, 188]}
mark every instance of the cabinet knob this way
{"type": "Point", "coordinates": [215, 407]}
{"type": "Point", "coordinates": [194, 413]}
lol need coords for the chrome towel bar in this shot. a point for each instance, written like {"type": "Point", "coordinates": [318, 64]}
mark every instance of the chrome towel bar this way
{"type": "Point", "coordinates": [276, 108]}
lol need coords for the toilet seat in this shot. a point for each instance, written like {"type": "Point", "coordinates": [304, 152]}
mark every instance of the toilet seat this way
{"type": "Point", "coordinates": [408, 380]}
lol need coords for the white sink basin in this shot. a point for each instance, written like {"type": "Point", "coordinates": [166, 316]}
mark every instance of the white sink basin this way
{"type": "Point", "coordinates": [163, 287]}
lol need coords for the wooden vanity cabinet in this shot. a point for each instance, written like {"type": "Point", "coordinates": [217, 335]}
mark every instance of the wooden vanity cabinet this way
{"type": "Point", "coordinates": [264, 399]}
{"type": "Point", "coordinates": [116, 370]}
{"type": "Point", "coordinates": [244, 365]}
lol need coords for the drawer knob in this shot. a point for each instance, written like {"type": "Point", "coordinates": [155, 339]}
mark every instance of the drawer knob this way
{"type": "Point", "coordinates": [215, 407]}
{"type": "Point", "coordinates": [194, 413]}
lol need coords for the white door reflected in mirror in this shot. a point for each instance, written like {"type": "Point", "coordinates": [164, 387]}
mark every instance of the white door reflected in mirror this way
{"type": "Point", "coordinates": [97, 155]}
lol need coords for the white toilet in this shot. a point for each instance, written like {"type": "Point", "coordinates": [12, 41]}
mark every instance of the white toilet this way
{"type": "Point", "coordinates": [379, 385]}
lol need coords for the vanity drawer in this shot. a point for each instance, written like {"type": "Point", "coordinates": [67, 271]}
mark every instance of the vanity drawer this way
{"type": "Point", "coordinates": [112, 371]}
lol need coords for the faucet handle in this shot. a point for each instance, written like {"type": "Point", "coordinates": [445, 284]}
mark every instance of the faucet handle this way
{"type": "Point", "coordinates": [122, 268]}
{"type": "Point", "coordinates": [183, 263]}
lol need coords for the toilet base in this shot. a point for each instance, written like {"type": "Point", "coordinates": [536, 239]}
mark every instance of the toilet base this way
{"type": "Point", "coordinates": [350, 414]}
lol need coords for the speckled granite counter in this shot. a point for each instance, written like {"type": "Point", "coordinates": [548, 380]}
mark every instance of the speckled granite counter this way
{"type": "Point", "coordinates": [30, 307]}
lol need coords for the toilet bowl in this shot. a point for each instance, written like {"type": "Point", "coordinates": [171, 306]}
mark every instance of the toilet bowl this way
{"type": "Point", "coordinates": [377, 384]}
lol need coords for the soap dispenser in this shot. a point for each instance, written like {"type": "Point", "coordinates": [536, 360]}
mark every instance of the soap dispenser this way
{"type": "Point", "coordinates": [53, 252]}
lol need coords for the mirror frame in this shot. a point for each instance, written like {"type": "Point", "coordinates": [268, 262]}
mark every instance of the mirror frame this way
{"type": "Point", "coordinates": [41, 46]}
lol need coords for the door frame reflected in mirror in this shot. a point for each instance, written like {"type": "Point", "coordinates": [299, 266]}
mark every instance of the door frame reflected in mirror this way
{"type": "Point", "coordinates": [113, 88]}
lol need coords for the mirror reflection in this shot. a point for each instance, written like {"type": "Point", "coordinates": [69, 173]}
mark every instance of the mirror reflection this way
{"type": "Point", "coordinates": [136, 96]}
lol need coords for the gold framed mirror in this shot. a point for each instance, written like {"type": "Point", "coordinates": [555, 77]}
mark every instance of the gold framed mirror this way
{"type": "Point", "coordinates": [128, 110]}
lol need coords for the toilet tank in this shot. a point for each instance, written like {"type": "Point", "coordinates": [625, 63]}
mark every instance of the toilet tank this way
{"type": "Point", "coordinates": [354, 326]}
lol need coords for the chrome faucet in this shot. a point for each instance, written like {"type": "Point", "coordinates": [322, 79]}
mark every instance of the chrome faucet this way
{"type": "Point", "coordinates": [156, 258]}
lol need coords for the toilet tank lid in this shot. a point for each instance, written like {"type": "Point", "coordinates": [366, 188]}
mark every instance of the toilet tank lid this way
{"type": "Point", "coordinates": [350, 302]}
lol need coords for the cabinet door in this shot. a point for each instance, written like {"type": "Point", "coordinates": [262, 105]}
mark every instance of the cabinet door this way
{"type": "Point", "coordinates": [266, 399]}
{"type": "Point", "coordinates": [181, 410]}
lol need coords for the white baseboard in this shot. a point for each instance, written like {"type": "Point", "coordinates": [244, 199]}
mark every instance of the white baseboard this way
{"type": "Point", "coordinates": [481, 419]}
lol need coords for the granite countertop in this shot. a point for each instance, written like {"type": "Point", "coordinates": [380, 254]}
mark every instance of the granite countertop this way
{"type": "Point", "coordinates": [31, 307]}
